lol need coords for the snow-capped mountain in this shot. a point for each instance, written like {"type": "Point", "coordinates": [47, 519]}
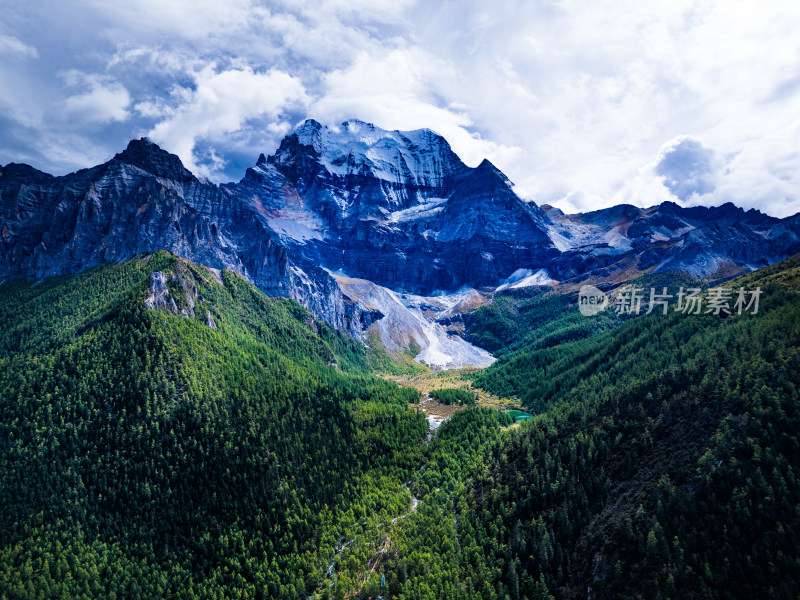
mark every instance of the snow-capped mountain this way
{"type": "Point", "coordinates": [368, 228]}
{"type": "Point", "coordinates": [418, 160]}
{"type": "Point", "coordinates": [396, 208]}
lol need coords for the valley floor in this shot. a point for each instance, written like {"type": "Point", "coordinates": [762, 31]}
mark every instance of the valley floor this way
{"type": "Point", "coordinates": [451, 378]}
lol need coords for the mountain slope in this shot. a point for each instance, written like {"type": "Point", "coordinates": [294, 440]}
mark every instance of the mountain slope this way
{"type": "Point", "coordinates": [216, 444]}
{"type": "Point", "coordinates": [405, 326]}
{"type": "Point", "coordinates": [662, 463]}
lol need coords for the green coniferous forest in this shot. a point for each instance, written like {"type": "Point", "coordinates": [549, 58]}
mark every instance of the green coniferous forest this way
{"type": "Point", "coordinates": [145, 454]}
{"type": "Point", "coordinates": [663, 462]}
{"type": "Point", "coordinates": [453, 396]}
{"type": "Point", "coordinates": [253, 454]}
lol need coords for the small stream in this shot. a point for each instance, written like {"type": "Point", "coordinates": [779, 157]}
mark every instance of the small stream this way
{"type": "Point", "coordinates": [434, 422]}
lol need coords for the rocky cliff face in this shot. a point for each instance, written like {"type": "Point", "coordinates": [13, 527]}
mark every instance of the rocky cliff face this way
{"type": "Point", "coordinates": [55, 225]}
{"type": "Point", "coordinates": [398, 210]}
{"type": "Point", "coordinates": [145, 200]}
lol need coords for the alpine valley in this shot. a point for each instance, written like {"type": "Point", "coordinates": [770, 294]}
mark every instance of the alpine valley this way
{"type": "Point", "coordinates": [199, 385]}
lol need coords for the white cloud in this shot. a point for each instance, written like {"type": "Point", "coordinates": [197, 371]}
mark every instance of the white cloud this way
{"type": "Point", "coordinates": [404, 89]}
{"type": "Point", "coordinates": [11, 45]}
{"type": "Point", "coordinates": [578, 201]}
{"type": "Point", "coordinates": [219, 104]}
{"type": "Point", "coordinates": [570, 99]}
{"type": "Point", "coordinates": [687, 167]}
{"type": "Point", "coordinates": [104, 101]}
{"type": "Point", "coordinates": [186, 19]}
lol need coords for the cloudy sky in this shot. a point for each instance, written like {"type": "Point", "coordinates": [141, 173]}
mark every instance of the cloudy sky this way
{"type": "Point", "coordinates": [581, 104]}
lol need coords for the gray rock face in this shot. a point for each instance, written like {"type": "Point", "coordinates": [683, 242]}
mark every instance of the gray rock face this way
{"type": "Point", "coordinates": [405, 325]}
{"type": "Point", "coordinates": [397, 208]}
{"type": "Point", "coordinates": [55, 225]}
{"type": "Point", "coordinates": [144, 200]}
{"type": "Point", "coordinates": [160, 297]}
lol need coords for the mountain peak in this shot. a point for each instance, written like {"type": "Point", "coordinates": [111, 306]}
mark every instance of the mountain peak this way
{"type": "Point", "coordinates": [23, 172]}
{"type": "Point", "coordinates": [309, 125]}
{"type": "Point", "coordinates": [420, 157]}
{"type": "Point", "coordinates": [148, 156]}
{"type": "Point", "coordinates": [486, 164]}
{"type": "Point", "coordinates": [487, 169]}
{"type": "Point", "coordinates": [355, 131]}
{"type": "Point", "coordinates": [358, 128]}
{"type": "Point", "coordinates": [309, 133]}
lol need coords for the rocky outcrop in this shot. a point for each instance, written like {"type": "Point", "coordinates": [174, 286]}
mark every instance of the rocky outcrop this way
{"type": "Point", "coordinates": [177, 293]}
{"type": "Point", "coordinates": [160, 297]}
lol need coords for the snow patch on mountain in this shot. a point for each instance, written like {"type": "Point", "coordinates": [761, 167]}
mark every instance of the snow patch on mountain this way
{"type": "Point", "coordinates": [427, 207]}
{"type": "Point", "coordinates": [359, 148]}
{"type": "Point", "coordinates": [522, 278]}
{"type": "Point", "coordinates": [293, 230]}
{"type": "Point", "coordinates": [404, 324]}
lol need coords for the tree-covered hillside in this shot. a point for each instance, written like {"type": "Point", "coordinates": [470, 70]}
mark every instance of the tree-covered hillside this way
{"type": "Point", "coordinates": [221, 452]}
{"type": "Point", "coordinates": [664, 462]}
{"type": "Point", "coordinates": [169, 431]}
{"type": "Point", "coordinates": [536, 317]}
